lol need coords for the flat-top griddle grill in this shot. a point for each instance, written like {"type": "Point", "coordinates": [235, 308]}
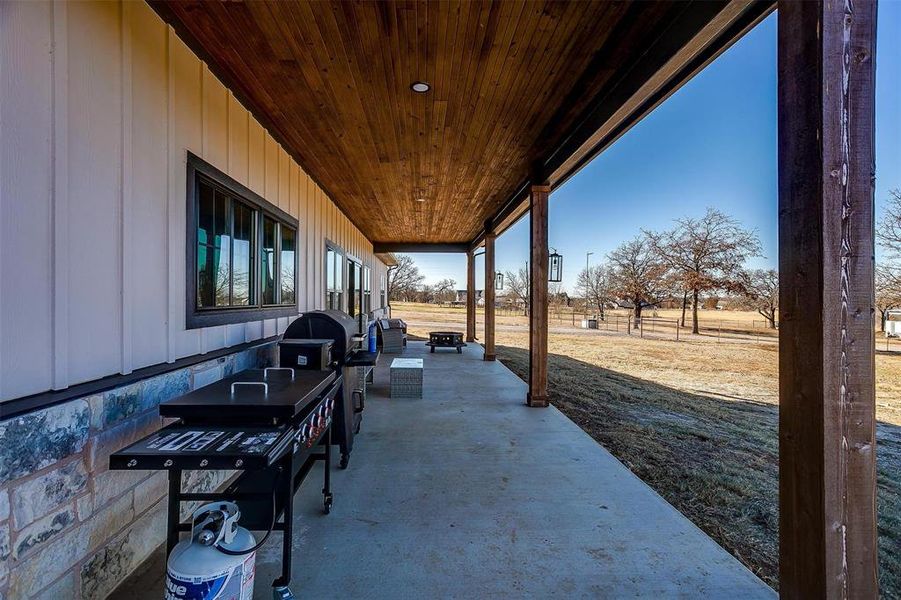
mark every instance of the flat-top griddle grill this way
{"type": "Point", "coordinates": [273, 425]}
{"type": "Point", "coordinates": [251, 396]}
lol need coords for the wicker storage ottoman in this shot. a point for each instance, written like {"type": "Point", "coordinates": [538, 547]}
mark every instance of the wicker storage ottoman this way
{"type": "Point", "coordinates": [406, 378]}
{"type": "Point", "coordinates": [393, 341]}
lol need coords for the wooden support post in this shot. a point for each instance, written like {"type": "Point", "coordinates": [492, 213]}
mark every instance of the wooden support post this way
{"type": "Point", "coordinates": [470, 296]}
{"type": "Point", "coordinates": [489, 292]}
{"type": "Point", "coordinates": [538, 296]}
{"type": "Point", "coordinates": [827, 464]}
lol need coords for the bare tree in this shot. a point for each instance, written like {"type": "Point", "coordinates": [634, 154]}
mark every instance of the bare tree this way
{"type": "Point", "coordinates": [707, 253]}
{"type": "Point", "coordinates": [759, 290]}
{"type": "Point", "coordinates": [445, 290]}
{"type": "Point", "coordinates": [888, 290]}
{"type": "Point", "coordinates": [517, 287]}
{"type": "Point", "coordinates": [557, 296]}
{"type": "Point", "coordinates": [404, 279]}
{"type": "Point", "coordinates": [638, 274]}
{"type": "Point", "coordinates": [889, 233]}
{"type": "Point", "coordinates": [594, 286]}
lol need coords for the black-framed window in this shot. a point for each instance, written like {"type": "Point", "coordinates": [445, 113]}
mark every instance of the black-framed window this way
{"type": "Point", "coordinates": [367, 290]}
{"type": "Point", "coordinates": [354, 286]}
{"type": "Point", "coordinates": [241, 252]}
{"type": "Point", "coordinates": [383, 291]}
{"type": "Point", "coordinates": [334, 277]}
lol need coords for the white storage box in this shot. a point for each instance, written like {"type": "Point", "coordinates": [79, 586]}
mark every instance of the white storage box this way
{"type": "Point", "coordinates": [406, 378]}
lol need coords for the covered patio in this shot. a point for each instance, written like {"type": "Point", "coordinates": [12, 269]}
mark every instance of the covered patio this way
{"type": "Point", "coordinates": [136, 135]}
{"type": "Point", "coordinates": [469, 493]}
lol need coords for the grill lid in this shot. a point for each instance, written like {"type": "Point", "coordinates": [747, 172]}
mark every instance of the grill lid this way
{"type": "Point", "coordinates": [329, 324]}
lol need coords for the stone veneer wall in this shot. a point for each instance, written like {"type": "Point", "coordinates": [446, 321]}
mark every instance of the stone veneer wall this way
{"type": "Point", "coordinates": [69, 527]}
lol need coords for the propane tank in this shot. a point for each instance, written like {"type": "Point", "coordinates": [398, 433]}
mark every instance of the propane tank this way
{"type": "Point", "coordinates": [372, 337]}
{"type": "Point", "coordinates": [199, 569]}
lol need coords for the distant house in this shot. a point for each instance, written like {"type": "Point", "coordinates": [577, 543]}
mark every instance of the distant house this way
{"type": "Point", "coordinates": [461, 298]}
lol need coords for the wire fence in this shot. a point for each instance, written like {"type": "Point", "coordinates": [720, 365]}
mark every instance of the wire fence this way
{"type": "Point", "coordinates": [653, 326]}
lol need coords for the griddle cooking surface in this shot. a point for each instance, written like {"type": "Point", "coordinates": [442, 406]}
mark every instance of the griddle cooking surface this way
{"type": "Point", "coordinates": [285, 398]}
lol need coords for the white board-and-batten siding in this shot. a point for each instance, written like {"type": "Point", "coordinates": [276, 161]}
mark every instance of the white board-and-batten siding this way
{"type": "Point", "coordinates": [99, 104]}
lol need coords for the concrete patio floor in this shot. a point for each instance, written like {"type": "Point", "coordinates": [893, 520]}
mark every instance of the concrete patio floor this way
{"type": "Point", "coordinates": [468, 493]}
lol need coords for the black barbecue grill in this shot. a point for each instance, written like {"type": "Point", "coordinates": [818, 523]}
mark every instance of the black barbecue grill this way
{"type": "Point", "coordinates": [268, 424]}
{"type": "Point", "coordinates": [324, 340]}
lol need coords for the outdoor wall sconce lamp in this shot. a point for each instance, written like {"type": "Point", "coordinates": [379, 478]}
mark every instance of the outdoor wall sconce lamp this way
{"type": "Point", "coordinates": [498, 281]}
{"type": "Point", "coordinates": [555, 267]}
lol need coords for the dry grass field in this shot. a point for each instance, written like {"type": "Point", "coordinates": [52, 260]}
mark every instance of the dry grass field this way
{"type": "Point", "coordinates": [696, 420]}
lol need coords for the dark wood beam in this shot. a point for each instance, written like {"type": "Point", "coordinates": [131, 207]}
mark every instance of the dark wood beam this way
{"type": "Point", "coordinates": [386, 247]}
{"type": "Point", "coordinates": [703, 31]}
{"type": "Point", "coordinates": [489, 295]}
{"type": "Point", "coordinates": [538, 296]}
{"type": "Point", "coordinates": [470, 297]}
{"type": "Point", "coordinates": [827, 465]}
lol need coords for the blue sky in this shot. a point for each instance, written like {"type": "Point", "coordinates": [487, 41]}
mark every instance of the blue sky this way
{"type": "Point", "coordinates": [713, 143]}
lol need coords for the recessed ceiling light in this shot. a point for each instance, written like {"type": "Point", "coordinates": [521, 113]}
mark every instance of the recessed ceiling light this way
{"type": "Point", "coordinates": [420, 87]}
{"type": "Point", "coordinates": [420, 199]}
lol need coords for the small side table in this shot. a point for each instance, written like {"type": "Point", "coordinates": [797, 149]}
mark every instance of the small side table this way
{"type": "Point", "coordinates": [406, 378]}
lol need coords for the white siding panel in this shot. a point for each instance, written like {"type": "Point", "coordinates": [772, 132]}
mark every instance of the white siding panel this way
{"type": "Point", "coordinates": [238, 157]}
{"type": "Point", "coordinates": [215, 121]}
{"type": "Point", "coordinates": [95, 98]}
{"type": "Point", "coordinates": [149, 160]}
{"type": "Point", "coordinates": [308, 258]}
{"type": "Point", "coordinates": [283, 199]}
{"type": "Point", "coordinates": [270, 164]}
{"type": "Point", "coordinates": [25, 198]}
{"type": "Point", "coordinates": [188, 135]}
{"type": "Point", "coordinates": [257, 160]}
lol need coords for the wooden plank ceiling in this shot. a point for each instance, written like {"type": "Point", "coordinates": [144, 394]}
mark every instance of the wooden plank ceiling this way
{"type": "Point", "coordinates": [509, 81]}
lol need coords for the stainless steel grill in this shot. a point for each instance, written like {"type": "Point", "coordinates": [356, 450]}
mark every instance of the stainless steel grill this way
{"type": "Point", "coordinates": [326, 340]}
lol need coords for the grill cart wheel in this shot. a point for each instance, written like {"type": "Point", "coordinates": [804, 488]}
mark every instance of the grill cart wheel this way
{"type": "Point", "coordinates": [282, 593]}
{"type": "Point", "coordinates": [327, 501]}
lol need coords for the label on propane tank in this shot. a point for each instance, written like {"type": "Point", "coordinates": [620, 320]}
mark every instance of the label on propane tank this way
{"type": "Point", "coordinates": [231, 584]}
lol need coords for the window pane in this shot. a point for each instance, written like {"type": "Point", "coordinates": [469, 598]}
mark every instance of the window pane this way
{"type": "Point", "coordinates": [330, 270]}
{"type": "Point", "coordinates": [288, 261]}
{"type": "Point", "coordinates": [243, 252]}
{"type": "Point", "coordinates": [267, 283]}
{"type": "Point", "coordinates": [339, 271]}
{"type": "Point", "coordinates": [213, 248]}
{"type": "Point", "coordinates": [222, 251]}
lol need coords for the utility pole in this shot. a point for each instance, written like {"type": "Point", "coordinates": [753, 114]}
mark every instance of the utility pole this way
{"type": "Point", "coordinates": [587, 254]}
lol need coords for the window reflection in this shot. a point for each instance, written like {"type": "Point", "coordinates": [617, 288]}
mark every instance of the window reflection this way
{"type": "Point", "coordinates": [334, 279]}
{"type": "Point", "coordinates": [245, 256]}
{"type": "Point", "coordinates": [268, 256]}
{"type": "Point", "coordinates": [213, 248]}
{"type": "Point", "coordinates": [288, 261]}
{"type": "Point", "coordinates": [242, 250]}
